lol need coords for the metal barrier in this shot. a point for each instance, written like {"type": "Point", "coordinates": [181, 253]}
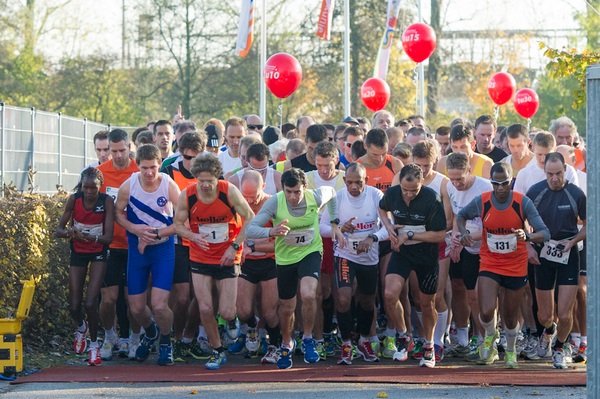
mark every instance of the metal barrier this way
{"type": "Point", "coordinates": [45, 150]}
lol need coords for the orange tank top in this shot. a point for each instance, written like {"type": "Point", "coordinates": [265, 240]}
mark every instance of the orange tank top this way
{"type": "Point", "coordinates": [495, 255]}
{"type": "Point", "coordinates": [182, 182]}
{"type": "Point", "coordinates": [218, 220]}
{"type": "Point", "coordinates": [382, 177]}
{"type": "Point", "coordinates": [113, 178]}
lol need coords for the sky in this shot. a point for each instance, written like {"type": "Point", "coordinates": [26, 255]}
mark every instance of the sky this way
{"type": "Point", "coordinates": [100, 21]}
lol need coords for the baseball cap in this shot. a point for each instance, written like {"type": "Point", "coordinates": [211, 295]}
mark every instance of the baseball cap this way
{"type": "Point", "coordinates": [214, 135]}
{"type": "Point", "coordinates": [350, 120]}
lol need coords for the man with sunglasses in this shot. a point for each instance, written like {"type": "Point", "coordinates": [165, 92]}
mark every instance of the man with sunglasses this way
{"type": "Point", "coordinates": [503, 257]}
{"type": "Point", "coordinates": [257, 158]}
{"type": "Point", "coordinates": [254, 123]}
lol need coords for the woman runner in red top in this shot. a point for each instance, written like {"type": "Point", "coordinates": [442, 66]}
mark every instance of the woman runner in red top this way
{"type": "Point", "coordinates": [90, 215]}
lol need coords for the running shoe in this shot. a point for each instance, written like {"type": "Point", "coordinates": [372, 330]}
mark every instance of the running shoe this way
{"type": "Point", "coordinates": [493, 356]}
{"type": "Point", "coordinates": [417, 349]}
{"type": "Point", "coordinates": [568, 352]}
{"type": "Point", "coordinates": [252, 341]}
{"type": "Point", "coordinates": [264, 346]}
{"type": "Point", "coordinates": [365, 349]}
{"type": "Point", "coordinates": [428, 359]}
{"type": "Point", "coordinates": [346, 356]}
{"type": "Point", "coordinates": [133, 345]}
{"type": "Point", "coordinates": [216, 360]}
{"type": "Point", "coordinates": [106, 349]}
{"type": "Point", "coordinates": [194, 350]}
{"type": "Point", "coordinates": [544, 348]}
{"type": "Point", "coordinates": [123, 347]}
{"type": "Point", "coordinates": [457, 350]}
{"type": "Point", "coordinates": [376, 345]}
{"type": "Point", "coordinates": [285, 357]}
{"type": "Point", "coordinates": [165, 355]}
{"type": "Point", "coordinates": [310, 351]}
{"type": "Point", "coordinates": [271, 356]}
{"type": "Point", "coordinates": [239, 346]}
{"type": "Point", "coordinates": [298, 347]}
{"type": "Point", "coordinates": [510, 359]}
{"type": "Point", "coordinates": [143, 350]}
{"type": "Point", "coordinates": [530, 351]}
{"type": "Point", "coordinates": [581, 356]}
{"type": "Point", "coordinates": [204, 345]}
{"type": "Point", "coordinates": [405, 345]}
{"type": "Point", "coordinates": [485, 350]}
{"type": "Point", "coordinates": [179, 351]}
{"type": "Point", "coordinates": [439, 353]}
{"type": "Point", "coordinates": [502, 342]}
{"type": "Point", "coordinates": [95, 359]}
{"type": "Point", "coordinates": [330, 345]}
{"type": "Point", "coordinates": [389, 347]}
{"type": "Point", "coordinates": [80, 343]}
{"type": "Point", "coordinates": [233, 328]}
{"type": "Point", "coordinates": [320, 346]}
{"type": "Point", "coordinates": [558, 359]}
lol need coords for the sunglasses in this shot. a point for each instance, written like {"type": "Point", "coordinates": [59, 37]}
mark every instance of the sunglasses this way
{"type": "Point", "coordinates": [348, 144]}
{"type": "Point", "coordinates": [255, 127]}
{"type": "Point", "coordinates": [500, 183]}
{"type": "Point", "coordinates": [188, 157]}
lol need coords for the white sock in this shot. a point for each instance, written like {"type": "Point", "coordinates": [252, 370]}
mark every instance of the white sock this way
{"type": "Point", "coordinates": [463, 336]}
{"type": "Point", "coordinates": [134, 337]}
{"type": "Point", "coordinates": [440, 328]}
{"type": "Point", "coordinates": [93, 344]}
{"type": "Point", "coordinates": [489, 327]}
{"type": "Point", "coordinates": [373, 338]}
{"type": "Point", "coordinates": [244, 329]}
{"type": "Point", "coordinates": [186, 340]}
{"type": "Point", "coordinates": [110, 333]}
{"type": "Point", "coordinates": [83, 327]}
{"type": "Point", "coordinates": [511, 338]}
{"type": "Point", "coordinates": [202, 333]}
{"type": "Point", "coordinates": [306, 336]}
{"type": "Point", "coordinates": [402, 334]}
{"type": "Point", "coordinates": [390, 332]}
{"type": "Point", "coordinates": [576, 339]}
{"type": "Point", "coordinates": [583, 340]}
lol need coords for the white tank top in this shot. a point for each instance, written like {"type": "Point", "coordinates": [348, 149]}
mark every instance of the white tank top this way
{"type": "Point", "coordinates": [270, 187]}
{"type": "Point", "coordinates": [152, 209]}
{"type": "Point", "coordinates": [365, 209]}
{"type": "Point", "coordinates": [460, 199]}
{"type": "Point", "coordinates": [436, 183]}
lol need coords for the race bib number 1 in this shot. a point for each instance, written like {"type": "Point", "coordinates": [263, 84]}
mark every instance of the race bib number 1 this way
{"type": "Point", "coordinates": [216, 232]}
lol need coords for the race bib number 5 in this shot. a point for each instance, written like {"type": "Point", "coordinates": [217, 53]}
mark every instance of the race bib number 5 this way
{"type": "Point", "coordinates": [551, 253]}
{"type": "Point", "coordinates": [502, 244]}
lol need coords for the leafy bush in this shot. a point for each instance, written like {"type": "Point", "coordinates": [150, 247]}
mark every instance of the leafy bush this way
{"type": "Point", "coordinates": [28, 248]}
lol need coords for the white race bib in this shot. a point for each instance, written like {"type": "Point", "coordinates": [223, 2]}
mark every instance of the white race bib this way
{"type": "Point", "coordinates": [502, 244]}
{"type": "Point", "coordinates": [473, 227]}
{"type": "Point", "coordinates": [217, 232]}
{"type": "Point", "coordinates": [300, 238]}
{"type": "Point", "coordinates": [354, 239]}
{"type": "Point", "coordinates": [553, 254]}
{"type": "Point", "coordinates": [88, 229]}
{"type": "Point", "coordinates": [112, 192]}
{"type": "Point", "coordinates": [414, 229]}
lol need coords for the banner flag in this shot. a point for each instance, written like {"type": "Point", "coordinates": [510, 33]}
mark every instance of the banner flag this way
{"type": "Point", "coordinates": [383, 54]}
{"type": "Point", "coordinates": [246, 29]}
{"type": "Point", "coordinates": [324, 24]}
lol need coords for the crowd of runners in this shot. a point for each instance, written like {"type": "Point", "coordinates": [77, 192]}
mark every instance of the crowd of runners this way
{"type": "Point", "coordinates": [367, 239]}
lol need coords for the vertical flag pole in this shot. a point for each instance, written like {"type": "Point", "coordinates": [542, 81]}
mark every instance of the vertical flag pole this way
{"type": "Point", "coordinates": [347, 99]}
{"type": "Point", "coordinates": [421, 75]}
{"type": "Point", "coordinates": [263, 61]}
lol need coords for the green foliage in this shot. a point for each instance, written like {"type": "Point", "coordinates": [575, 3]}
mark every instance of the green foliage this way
{"type": "Point", "coordinates": [569, 63]}
{"type": "Point", "coordinates": [28, 249]}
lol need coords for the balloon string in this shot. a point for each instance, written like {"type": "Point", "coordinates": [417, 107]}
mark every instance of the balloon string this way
{"type": "Point", "coordinates": [496, 113]}
{"type": "Point", "coordinates": [528, 123]}
{"type": "Point", "coordinates": [280, 113]}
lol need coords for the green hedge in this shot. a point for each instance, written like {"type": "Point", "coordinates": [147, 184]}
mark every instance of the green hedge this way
{"type": "Point", "coordinates": [28, 248]}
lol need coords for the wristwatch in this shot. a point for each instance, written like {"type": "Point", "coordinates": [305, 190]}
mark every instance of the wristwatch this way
{"type": "Point", "coordinates": [527, 237]}
{"type": "Point", "coordinates": [235, 246]}
{"type": "Point", "coordinates": [410, 234]}
{"type": "Point", "coordinates": [158, 237]}
{"type": "Point", "coordinates": [250, 245]}
{"type": "Point", "coordinates": [374, 237]}
{"type": "Point", "coordinates": [335, 221]}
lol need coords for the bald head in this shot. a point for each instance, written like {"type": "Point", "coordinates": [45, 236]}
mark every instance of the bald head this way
{"type": "Point", "coordinates": [567, 152]}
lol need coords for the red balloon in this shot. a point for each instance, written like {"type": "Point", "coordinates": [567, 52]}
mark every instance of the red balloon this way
{"type": "Point", "coordinates": [283, 74]}
{"type": "Point", "coordinates": [375, 94]}
{"type": "Point", "coordinates": [527, 102]}
{"type": "Point", "coordinates": [501, 87]}
{"type": "Point", "coordinates": [418, 41]}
